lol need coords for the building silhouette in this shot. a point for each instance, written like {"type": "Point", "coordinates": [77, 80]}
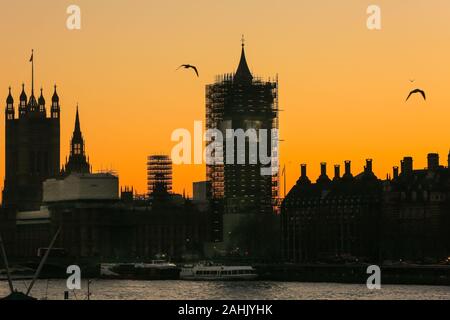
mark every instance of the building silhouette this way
{"type": "Point", "coordinates": [32, 148]}
{"type": "Point", "coordinates": [240, 101]}
{"type": "Point", "coordinates": [362, 218]}
{"type": "Point", "coordinates": [416, 208]}
{"type": "Point", "coordinates": [332, 218]}
{"type": "Point", "coordinates": [159, 174]}
{"type": "Point", "coordinates": [78, 162]}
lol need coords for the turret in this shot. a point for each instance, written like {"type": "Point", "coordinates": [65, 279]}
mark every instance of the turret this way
{"type": "Point", "coordinates": [32, 104]}
{"type": "Point", "coordinates": [23, 102]}
{"type": "Point", "coordinates": [55, 109]}
{"type": "Point", "coordinates": [41, 103]}
{"type": "Point", "coordinates": [9, 110]}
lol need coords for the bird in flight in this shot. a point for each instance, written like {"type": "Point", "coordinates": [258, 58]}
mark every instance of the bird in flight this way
{"type": "Point", "coordinates": [417, 91]}
{"type": "Point", "coordinates": [188, 66]}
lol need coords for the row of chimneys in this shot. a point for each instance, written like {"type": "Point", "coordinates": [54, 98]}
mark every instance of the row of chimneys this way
{"type": "Point", "coordinates": [407, 164]}
{"type": "Point", "coordinates": [406, 167]}
{"type": "Point", "coordinates": [337, 169]}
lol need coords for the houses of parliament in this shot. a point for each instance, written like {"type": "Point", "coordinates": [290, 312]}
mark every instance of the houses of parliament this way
{"type": "Point", "coordinates": [32, 143]}
{"type": "Point", "coordinates": [32, 148]}
{"type": "Point", "coordinates": [41, 195]}
{"type": "Point", "coordinates": [343, 218]}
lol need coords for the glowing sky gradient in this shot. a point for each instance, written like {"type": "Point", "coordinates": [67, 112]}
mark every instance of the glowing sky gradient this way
{"type": "Point", "coordinates": [342, 87]}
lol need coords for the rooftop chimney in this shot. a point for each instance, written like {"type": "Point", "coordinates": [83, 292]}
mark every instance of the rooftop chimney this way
{"type": "Point", "coordinates": [348, 169]}
{"type": "Point", "coordinates": [323, 173]}
{"type": "Point", "coordinates": [369, 165]}
{"type": "Point", "coordinates": [395, 173]}
{"type": "Point", "coordinates": [303, 177]}
{"type": "Point", "coordinates": [323, 169]}
{"type": "Point", "coordinates": [303, 170]}
{"type": "Point", "coordinates": [433, 161]}
{"type": "Point", "coordinates": [407, 165]}
{"type": "Point", "coordinates": [337, 172]}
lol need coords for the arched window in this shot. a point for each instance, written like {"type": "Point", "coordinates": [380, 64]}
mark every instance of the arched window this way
{"type": "Point", "coordinates": [77, 148]}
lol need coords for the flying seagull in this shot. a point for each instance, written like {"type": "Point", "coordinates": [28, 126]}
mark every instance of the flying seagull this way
{"type": "Point", "coordinates": [187, 66]}
{"type": "Point", "coordinates": [417, 91]}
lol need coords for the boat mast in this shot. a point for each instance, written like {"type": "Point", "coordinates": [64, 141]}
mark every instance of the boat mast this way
{"type": "Point", "coordinates": [5, 260]}
{"type": "Point", "coordinates": [41, 264]}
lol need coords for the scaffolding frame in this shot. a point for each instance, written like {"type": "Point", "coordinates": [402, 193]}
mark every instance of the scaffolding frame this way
{"type": "Point", "coordinates": [258, 100]}
{"type": "Point", "coordinates": [159, 173]}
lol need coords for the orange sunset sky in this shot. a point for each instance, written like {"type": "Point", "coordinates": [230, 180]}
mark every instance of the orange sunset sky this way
{"type": "Point", "coordinates": [342, 87]}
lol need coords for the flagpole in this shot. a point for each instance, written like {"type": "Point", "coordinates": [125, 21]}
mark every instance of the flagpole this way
{"type": "Point", "coordinates": [32, 72]}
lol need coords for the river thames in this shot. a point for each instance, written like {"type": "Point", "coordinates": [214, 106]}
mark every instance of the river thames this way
{"type": "Point", "coordinates": [255, 290]}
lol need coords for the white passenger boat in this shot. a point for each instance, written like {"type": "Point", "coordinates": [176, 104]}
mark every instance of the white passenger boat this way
{"type": "Point", "coordinates": [210, 271]}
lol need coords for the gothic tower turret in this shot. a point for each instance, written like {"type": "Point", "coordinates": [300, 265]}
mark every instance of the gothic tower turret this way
{"type": "Point", "coordinates": [41, 102]}
{"type": "Point", "coordinates": [32, 104]}
{"type": "Point", "coordinates": [9, 111]}
{"type": "Point", "coordinates": [32, 150]}
{"type": "Point", "coordinates": [55, 109]}
{"type": "Point", "coordinates": [77, 162]}
{"type": "Point", "coordinates": [23, 103]}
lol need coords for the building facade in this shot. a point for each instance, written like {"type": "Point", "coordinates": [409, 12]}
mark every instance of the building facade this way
{"type": "Point", "coordinates": [332, 219]}
{"type": "Point", "coordinates": [416, 212]}
{"type": "Point", "coordinates": [241, 102]}
{"type": "Point", "coordinates": [97, 225]}
{"type": "Point", "coordinates": [32, 149]}
{"type": "Point", "coordinates": [361, 218]}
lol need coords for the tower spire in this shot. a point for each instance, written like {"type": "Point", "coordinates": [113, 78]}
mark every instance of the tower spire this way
{"type": "Point", "coordinates": [243, 71]}
{"type": "Point", "coordinates": [9, 99]}
{"type": "Point", "coordinates": [77, 122]}
{"type": "Point", "coordinates": [77, 161]}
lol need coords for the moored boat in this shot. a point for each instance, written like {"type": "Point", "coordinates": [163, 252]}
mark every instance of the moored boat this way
{"type": "Point", "coordinates": [215, 272]}
{"type": "Point", "coordinates": [156, 270]}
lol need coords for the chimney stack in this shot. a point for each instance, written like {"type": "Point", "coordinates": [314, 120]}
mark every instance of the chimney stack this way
{"type": "Point", "coordinates": [323, 178]}
{"type": "Point", "coordinates": [348, 169]}
{"type": "Point", "coordinates": [433, 161]}
{"type": "Point", "coordinates": [395, 173]}
{"type": "Point", "coordinates": [303, 170]}
{"type": "Point", "coordinates": [337, 172]}
{"type": "Point", "coordinates": [303, 177]}
{"type": "Point", "coordinates": [323, 169]}
{"type": "Point", "coordinates": [369, 167]}
{"type": "Point", "coordinates": [407, 165]}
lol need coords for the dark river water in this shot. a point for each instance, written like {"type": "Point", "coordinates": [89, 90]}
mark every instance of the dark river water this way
{"type": "Point", "coordinates": [261, 290]}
